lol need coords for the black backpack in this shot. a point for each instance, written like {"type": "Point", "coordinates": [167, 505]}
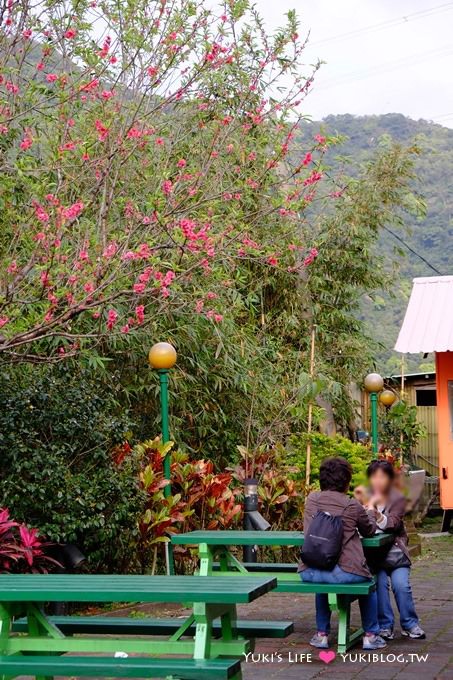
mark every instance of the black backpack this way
{"type": "Point", "coordinates": [323, 543]}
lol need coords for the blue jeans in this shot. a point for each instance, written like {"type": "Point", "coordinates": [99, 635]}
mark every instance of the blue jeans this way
{"type": "Point", "coordinates": [368, 603]}
{"type": "Point", "coordinates": [402, 591]}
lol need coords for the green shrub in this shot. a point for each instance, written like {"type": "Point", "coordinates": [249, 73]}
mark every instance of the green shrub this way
{"type": "Point", "coordinates": [323, 447]}
{"type": "Point", "coordinates": [58, 431]}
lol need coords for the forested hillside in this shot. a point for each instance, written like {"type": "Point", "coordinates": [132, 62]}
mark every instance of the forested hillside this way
{"type": "Point", "coordinates": [430, 238]}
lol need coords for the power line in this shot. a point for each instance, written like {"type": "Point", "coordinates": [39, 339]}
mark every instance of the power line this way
{"type": "Point", "coordinates": [414, 252]}
{"type": "Point", "coordinates": [421, 14]}
{"type": "Point", "coordinates": [380, 69]}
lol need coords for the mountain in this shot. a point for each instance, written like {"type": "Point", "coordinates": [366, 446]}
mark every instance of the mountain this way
{"type": "Point", "coordinates": [427, 247]}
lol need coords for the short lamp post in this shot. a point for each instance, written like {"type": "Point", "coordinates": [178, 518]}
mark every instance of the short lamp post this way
{"type": "Point", "coordinates": [162, 356]}
{"type": "Point", "coordinates": [373, 385]}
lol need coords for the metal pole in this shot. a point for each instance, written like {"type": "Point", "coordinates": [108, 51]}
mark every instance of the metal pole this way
{"type": "Point", "coordinates": [310, 408]}
{"type": "Point", "coordinates": [249, 552]}
{"type": "Point", "coordinates": [163, 379]}
{"type": "Point", "coordinates": [374, 422]}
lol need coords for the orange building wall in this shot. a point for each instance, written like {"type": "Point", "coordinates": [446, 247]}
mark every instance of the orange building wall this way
{"type": "Point", "coordinates": [444, 374]}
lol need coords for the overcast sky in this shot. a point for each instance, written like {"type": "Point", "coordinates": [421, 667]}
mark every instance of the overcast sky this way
{"type": "Point", "coordinates": [383, 56]}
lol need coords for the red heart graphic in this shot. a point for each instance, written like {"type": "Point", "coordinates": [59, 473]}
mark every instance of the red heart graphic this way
{"type": "Point", "coordinates": [327, 657]}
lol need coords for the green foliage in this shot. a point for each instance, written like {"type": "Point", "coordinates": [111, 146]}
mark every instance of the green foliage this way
{"type": "Point", "coordinates": [400, 430]}
{"type": "Point", "coordinates": [57, 432]}
{"type": "Point", "coordinates": [323, 447]}
{"type": "Point", "coordinates": [428, 234]}
{"type": "Point", "coordinates": [281, 497]}
{"type": "Point", "coordinates": [200, 499]}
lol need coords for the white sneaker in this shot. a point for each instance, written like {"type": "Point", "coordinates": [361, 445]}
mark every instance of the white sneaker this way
{"type": "Point", "coordinates": [416, 633]}
{"type": "Point", "coordinates": [373, 642]}
{"type": "Point", "coordinates": [320, 641]}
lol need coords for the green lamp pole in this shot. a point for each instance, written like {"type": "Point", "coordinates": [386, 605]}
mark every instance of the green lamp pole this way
{"type": "Point", "coordinates": [162, 356]}
{"type": "Point", "coordinates": [373, 385]}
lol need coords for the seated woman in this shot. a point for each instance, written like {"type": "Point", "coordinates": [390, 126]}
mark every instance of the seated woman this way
{"type": "Point", "coordinates": [390, 505]}
{"type": "Point", "coordinates": [335, 477]}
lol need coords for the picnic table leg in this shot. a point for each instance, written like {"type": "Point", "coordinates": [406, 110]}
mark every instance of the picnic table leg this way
{"type": "Point", "coordinates": [206, 559]}
{"type": "Point", "coordinates": [203, 631]}
{"type": "Point", "coordinates": [5, 630]}
{"type": "Point", "coordinates": [342, 605]}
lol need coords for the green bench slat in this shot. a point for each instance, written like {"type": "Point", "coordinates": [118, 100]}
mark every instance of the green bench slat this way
{"type": "Point", "coordinates": [353, 589]}
{"type": "Point", "coordinates": [132, 667]}
{"type": "Point", "coordinates": [117, 588]}
{"type": "Point", "coordinates": [270, 567]}
{"type": "Point", "coordinates": [73, 625]}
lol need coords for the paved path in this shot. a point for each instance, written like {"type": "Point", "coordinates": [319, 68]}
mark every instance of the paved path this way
{"type": "Point", "coordinates": [433, 587]}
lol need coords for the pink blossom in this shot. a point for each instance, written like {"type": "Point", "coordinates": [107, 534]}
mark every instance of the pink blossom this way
{"type": "Point", "coordinates": [181, 163]}
{"type": "Point", "coordinates": [313, 178]}
{"type": "Point", "coordinates": [102, 130]}
{"type": "Point", "coordinates": [199, 306]}
{"type": "Point", "coordinates": [12, 268]}
{"type": "Point", "coordinates": [83, 255]}
{"type": "Point", "coordinates": [3, 321]}
{"type": "Point", "coordinates": [11, 87]}
{"type": "Point", "coordinates": [73, 211]}
{"type": "Point", "coordinates": [107, 94]}
{"type": "Point", "coordinates": [139, 288]}
{"type": "Point", "coordinates": [40, 66]}
{"type": "Point", "coordinates": [307, 159]}
{"type": "Point", "coordinates": [68, 146]}
{"type": "Point", "coordinates": [51, 77]}
{"type": "Point", "coordinates": [112, 318]}
{"type": "Point", "coordinates": [110, 250]}
{"type": "Point", "coordinates": [167, 187]}
{"type": "Point", "coordinates": [89, 87]}
{"type": "Point", "coordinates": [89, 287]}
{"type": "Point", "coordinates": [26, 143]}
{"type": "Point", "coordinates": [168, 278]}
{"type": "Point", "coordinates": [140, 313]}
{"type": "Point", "coordinates": [125, 328]}
{"type": "Point", "coordinates": [145, 275]}
{"type": "Point", "coordinates": [312, 255]}
{"type": "Point", "coordinates": [144, 251]}
{"type": "Point", "coordinates": [40, 213]}
{"type": "Point", "coordinates": [45, 279]}
{"type": "Point", "coordinates": [272, 260]}
{"type": "Point", "coordinates": [152, 71]}
{"type": "Point", "coordinates": [70, 33]}
{"type": "Point", "coordinates": [134, 133]}
{"type": "Point", "coordinates": [320, 139]}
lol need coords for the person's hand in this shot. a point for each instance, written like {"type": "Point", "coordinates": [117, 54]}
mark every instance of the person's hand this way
{"type": "Point", "coordinates": [361, 494]}
{"type": "Point", "coordinates": [375, 500]}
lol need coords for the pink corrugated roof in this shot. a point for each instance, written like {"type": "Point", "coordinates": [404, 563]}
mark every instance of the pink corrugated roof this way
{"type": "Point", "coordinates": [428, 324]}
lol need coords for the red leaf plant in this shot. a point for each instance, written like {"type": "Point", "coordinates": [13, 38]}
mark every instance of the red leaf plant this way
{"type": "Point", "coordinates": [21, 548]}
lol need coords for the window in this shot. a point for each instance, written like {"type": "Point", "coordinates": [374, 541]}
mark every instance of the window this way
{"type": "Point", "coordinates": [426, 397]}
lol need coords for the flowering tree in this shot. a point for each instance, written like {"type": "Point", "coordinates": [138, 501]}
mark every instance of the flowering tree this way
{"type": "Point", "coordinates": [144, 154]}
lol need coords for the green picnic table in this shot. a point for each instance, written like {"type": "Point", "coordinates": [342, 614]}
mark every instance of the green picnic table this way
{"type": "Point", "coordinates": [212, 598]}
{"type": "Point", "coordinates": [216, 557]}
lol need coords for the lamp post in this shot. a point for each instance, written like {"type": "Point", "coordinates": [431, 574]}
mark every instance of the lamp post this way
{"type": "Point", "coordinates": [387, 398]}
{"type": "Point", "coordinates": [162, 356]}
{"type": "Point", "coordinates": [373, 385]}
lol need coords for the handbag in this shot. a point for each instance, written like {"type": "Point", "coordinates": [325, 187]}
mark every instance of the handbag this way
{"type": "Point", "coordinates": [395, 559]}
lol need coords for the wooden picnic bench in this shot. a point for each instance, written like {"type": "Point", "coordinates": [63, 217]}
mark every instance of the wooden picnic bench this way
{"type": "Point", "coordinates": [216, 557]}
{"type": "Point", "coordinates": [36, 649]}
